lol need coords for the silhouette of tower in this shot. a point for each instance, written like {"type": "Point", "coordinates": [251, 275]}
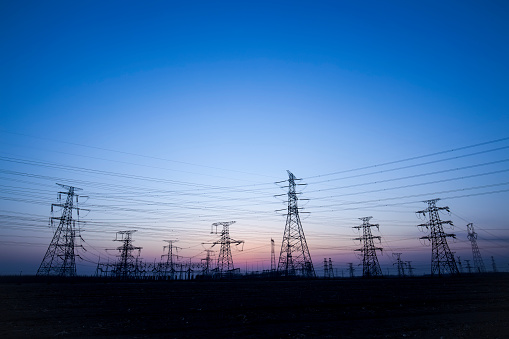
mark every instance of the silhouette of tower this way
{"type": "Point", "coordinates": [478, 263]}
{"type": "Point", "coordinates": [442, 259]}
{"type": "Point", "coordinates": [493, 265]}
{"type": "Point", "coordinates": [325, 268]}
{"type": "Point", "coordinates": [469, 268]}
{"type": "Point", "coordinates": [460, 266]}
{"type": "Point", "coordinates": [410, 268]}
{"type": "Point", "coordinates": [225, 260]}
{"type": "Point", "coordinates": [351, 269]}
{"type": "Point", "coordinates": [272, 256]}
{"type": "Point", "coordinates": [60, 258]}
{"type": "Point", "coordinates": [400, 263]}
{"type": "Point", "coordinates": [127, 265]}
{"type": "Point", "coordinates": [370, 265]}
{"type": "Point", "coordinates": [169, 267]}
{"type": "Point", "coordinates": [331, 271]}
{"type": "Point", "coordinates": [294, 258]}
{"type": "Point", "coordinates": [208, 260]}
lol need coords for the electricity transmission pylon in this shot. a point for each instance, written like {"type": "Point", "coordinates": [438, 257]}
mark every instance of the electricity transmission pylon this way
{"type": "Point", "coordinates": [410, 268]}
{"type": "Point", "coordinates": [370, 265]}
{"type": "Point", "coordinates": [169, 267]}
{"type": "Point", "coordinates": [331, 270]}
{"type": "Point", "coordinates": [442, 259]}
{"type": "Point", "coordinates": [351, 269]}
{"type": "Point", "coordinates": [478, 262]}
{"type": "Point", "coordinates": [272, 256]}
{"type": "Point", "coordinates": [127, 265]}
{"type": "Point", "coordinates": [60, 258]}
{"type": "Point", "coordinates": [493, 265]}
{"type": "Point", "coordinates": [225, 260]}
{"type": "Point", "coordinates": [400, 263]}
{"type": "Point", "coordinates": [294, 258]}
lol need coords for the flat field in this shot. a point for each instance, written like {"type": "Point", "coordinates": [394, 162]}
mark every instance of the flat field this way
{"type": "Point", "coordinates": [460, 307]}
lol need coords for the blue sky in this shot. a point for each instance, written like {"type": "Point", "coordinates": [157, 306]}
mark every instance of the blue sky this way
{"type": "Point", "coordinates": [228, 94]}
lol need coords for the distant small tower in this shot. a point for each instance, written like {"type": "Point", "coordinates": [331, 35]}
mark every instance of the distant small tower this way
{"type": "Point", "coordinates": [478, 263]}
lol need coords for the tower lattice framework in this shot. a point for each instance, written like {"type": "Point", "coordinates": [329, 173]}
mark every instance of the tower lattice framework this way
{"type": "Point", "coordinates": [294, 258]}
{"type": "Point", "coordinates": [478, 262]}
{"type": "Point", "coordinates": [370, 265]}
{"type": "Point", "coordinates": [442, 259]}
{"type": "Point", "coordinates": [127, 265]}
{"type": "Point", "coordinates": [225, 260]}
{"type": "Point", "coordinates": [60, 257]}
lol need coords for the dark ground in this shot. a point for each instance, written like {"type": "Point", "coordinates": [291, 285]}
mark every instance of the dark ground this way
{"type": "Point", "coordinates": [463, 307]}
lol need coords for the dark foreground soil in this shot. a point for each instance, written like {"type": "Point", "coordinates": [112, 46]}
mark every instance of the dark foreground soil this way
{"type": "Point", "coordinates": [465, 307]}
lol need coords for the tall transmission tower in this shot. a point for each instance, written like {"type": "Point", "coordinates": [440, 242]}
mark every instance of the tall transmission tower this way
{"type": "Point", "coordinates": [400, 263]}
{"type": "Point", "coordinates": [169, 267]}
{"type": "Point", "coordinates": [478, 263]}
{"type": "Point", "coordinates": [127, 265]}
{"type": "Point", "coordinates": [272, 256]}
{"type": "Point", "coordinates": [370, 265]}
{"type": "Point", "coordinates": [60, 258]}
{"type": "Point", "coordinates": [442, 259]}
{"type": "Point", "coordinates": [225, 260]}
{"type": "Point", "coordinates": [294, 258]}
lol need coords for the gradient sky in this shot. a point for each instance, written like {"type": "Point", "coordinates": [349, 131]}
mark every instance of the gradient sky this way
{"type": "Point", "coordinates": [174, 115]}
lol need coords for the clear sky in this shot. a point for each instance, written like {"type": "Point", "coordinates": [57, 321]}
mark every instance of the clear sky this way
{"type": "Point", "coordinates": [174, 115]}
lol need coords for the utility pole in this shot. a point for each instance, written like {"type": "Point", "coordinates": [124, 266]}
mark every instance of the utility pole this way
{"type": "Point", "coordinates": [169, 268]}
{"type": "Point", "coordinates": [225, 260]}
{"type": "Point", "coordinates": [478, 263]}
{"type": "Point", "coordinates": [351, 269]}
{"type": "Point", "coordinates": [399, 262]}
{"type": "Point", "coordinates": [60, 257]}
{"type": "Point", "coordinates": [127, 263]}
{"type": "Point", "coordinates": [294, 258]}
{"type": "Point", "coordinates": [370, 265]}
{"type": "Point", "coordinates": [442, 259]}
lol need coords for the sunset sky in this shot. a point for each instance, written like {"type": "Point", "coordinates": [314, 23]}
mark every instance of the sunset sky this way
{"type": "Point", "coordinates": [171, 116]}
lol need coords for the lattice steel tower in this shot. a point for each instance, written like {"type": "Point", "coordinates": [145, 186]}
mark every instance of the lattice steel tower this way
{"type": "Point", "coordinates": [127, 265]}
{"type": "Point", "coordinates": [370, 265]}
{"type": "Point", "coordinates": [60, 258]}
{"type": "Point", "coordinates": [225, 260]}
{"type": "Point", "coordinates": [442, 259]}
{"type": "Point", "coordinates": [294, 258]}
{"type": "Point", "coordinates": [400, 263]}
{"type": "Point", "coordinates": [169, 265]}
{"type": "Point", "coordinates": [478, 263]}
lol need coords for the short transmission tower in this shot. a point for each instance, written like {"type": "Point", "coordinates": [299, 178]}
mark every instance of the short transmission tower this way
{"type": "Point", "coordinates": [442, 259]}
{"type": "Point", "coordinates": [272, 256]}
{"type": "Point", "coordinates": [410, 268]}
{"type": "Point", "coordinates": [225, 260]}
{"type": "Point", "coordinates": [127, 265]}
{"type": "Point", "coordinates": [478, 263]}
{"type": "Point", "coordinates": [331, 270]}
{"type": "Point", "coordinates": [400, 263]}
{"type": "Point", "coordinates": [294, 258]}
{"type": "Point", "coordinates": [370, 265]}
{"type": "Point", "coordinates": [351, 269]}
{"type": "Point", "coordinates": [60, 258]}
{"type": "Point", "coordinates": [493, 265]}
